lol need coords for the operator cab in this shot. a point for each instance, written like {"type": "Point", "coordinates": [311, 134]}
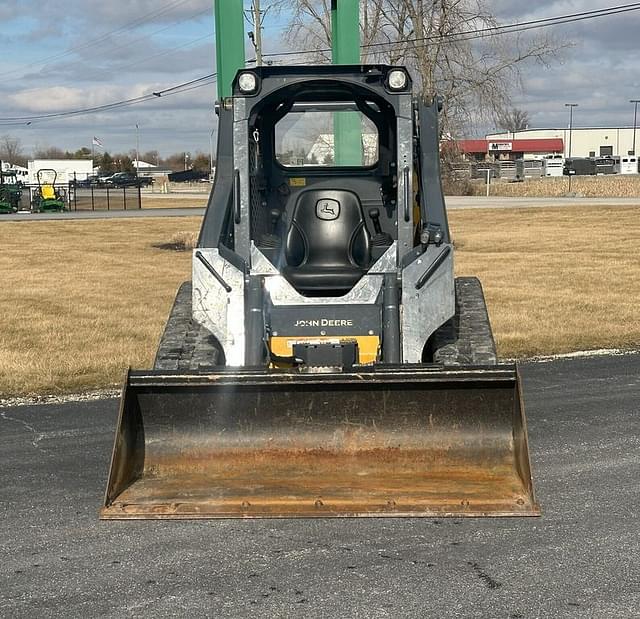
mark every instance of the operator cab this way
{"type": "Point", "coordinates": [323, 182]}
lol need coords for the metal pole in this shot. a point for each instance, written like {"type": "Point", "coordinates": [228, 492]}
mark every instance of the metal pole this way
{"type": "Point", "coordinates": [257, 25]}
{"type": "Point", "coordinates": [635, 117]}
{"type": "Point", "coordinates": [137, 151]}
{"type": "Point", "coordinates": [570, 106]}
{"type": "Point", "coordinates": [211, 154]}
{"type": "Point", "coordinates": [345, 49]}
{"type": "Point", "coordinates": [229, 21]}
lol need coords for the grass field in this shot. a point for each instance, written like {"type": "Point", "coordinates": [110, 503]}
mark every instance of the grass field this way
{"type": "Point", "coordinates": [151, 201]}
{"type": "Point", "coordinates": [609, 186]}
{"type": "Point", "coordinates": [556, 280]}
{"type": "Point", "coordinates": [83, 300]}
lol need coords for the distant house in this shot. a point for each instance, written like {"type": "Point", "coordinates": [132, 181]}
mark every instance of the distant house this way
{"type": "Point", "coordinates": [323, 152]}
{"type": "Point", "coordinates": [149, 169]}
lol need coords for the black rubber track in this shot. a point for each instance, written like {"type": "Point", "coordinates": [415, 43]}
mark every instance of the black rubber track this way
{"type": "Point", "coordinates": [466, 339]}
{"type": "Point", "coordinates": [185, 345]}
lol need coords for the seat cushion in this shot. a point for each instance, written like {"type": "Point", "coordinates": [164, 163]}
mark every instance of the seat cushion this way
{"type": "Point", "coordinates": [310, 279]}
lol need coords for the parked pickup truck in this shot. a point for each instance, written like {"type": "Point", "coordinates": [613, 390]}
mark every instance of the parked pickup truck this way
{"type": "Point", "coordinates": [128, 179]}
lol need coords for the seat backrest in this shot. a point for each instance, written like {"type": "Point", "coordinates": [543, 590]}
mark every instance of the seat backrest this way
{"type": "Point", "coordinates": [48, 192]}
{"type": "Point", "coordinates": [328, 231]}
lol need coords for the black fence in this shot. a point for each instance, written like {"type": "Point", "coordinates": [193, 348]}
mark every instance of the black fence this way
{"type": "Point", "coordinates": [105, 198]}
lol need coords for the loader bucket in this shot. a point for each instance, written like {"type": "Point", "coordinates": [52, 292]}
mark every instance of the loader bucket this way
{"type": "Point", "coordinates": [391, 441]}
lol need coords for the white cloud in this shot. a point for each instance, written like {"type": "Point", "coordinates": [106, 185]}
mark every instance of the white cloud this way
{"type": "Point", "coordinates": [599, 73]}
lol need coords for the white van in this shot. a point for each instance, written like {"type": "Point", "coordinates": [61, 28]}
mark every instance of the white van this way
{"type": "Point", "coordinates": [628, 164]}
{"type": "Point", "coordinates": [553, 165]}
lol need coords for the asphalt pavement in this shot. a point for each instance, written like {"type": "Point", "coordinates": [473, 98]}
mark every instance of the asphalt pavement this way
{"type": "Point", "coordinates": [580, 559]}
{"type": "Point", "coordinates": [104, 214]}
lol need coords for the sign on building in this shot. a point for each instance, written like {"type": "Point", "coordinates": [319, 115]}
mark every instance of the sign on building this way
{"type": "Point", "coordinates": [500, 146]}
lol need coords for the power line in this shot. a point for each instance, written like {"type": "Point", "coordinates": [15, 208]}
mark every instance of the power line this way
{"type": "Point", "coordinates": [125, 27]}
{"type": "Point", "coordinates": [477, 33]}
{"type": "Point", "coordinates": [151, 34]}
{"type": "Point", "coordinates": [159, 54]}
{"type": "Point", "coordinates": [524, 26]}
{"type": "Point", "coordinates": [172, 90]}
{"type": "Point", "coordinates": [467, 35]}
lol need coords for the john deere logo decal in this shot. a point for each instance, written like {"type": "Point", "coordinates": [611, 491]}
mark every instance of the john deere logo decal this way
{"type": "Point", "coordinates": [327, 209]}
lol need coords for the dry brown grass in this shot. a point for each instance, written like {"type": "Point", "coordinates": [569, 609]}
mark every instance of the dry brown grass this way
{"type": "Point", "coordinates": [556, 280]}
{"type": "Point", "coordinates": [183, 240]}
{"type": "Point", "coordinates": [611, 186]}
{"type": "Point", "coordinates": [83, 300]}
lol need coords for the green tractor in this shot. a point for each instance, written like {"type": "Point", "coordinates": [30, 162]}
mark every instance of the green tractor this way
{"type": "Point", "coordinates": [10, 192]}
{"type": "Point", "coordinates": [48, 197]}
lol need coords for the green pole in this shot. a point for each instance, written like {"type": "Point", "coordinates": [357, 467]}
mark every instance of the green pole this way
{"type": "Point", "coordinates": [345, 31]}
{"type": "Point", "coordinates": [345, 49]}
{"type": "Point", "coordinates": [229, 22]}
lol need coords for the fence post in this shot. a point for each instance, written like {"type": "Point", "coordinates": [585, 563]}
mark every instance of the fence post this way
{"type": "Point", "coordinates": [93, 206]}
{"type": "Point", "coordinates": [139, 196]}
{"type": "Point", "coordinates": [108, 206]}
{"type": "Point", "coordinates": [124, 196]}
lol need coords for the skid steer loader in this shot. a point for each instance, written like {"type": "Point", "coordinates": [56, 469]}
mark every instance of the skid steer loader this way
{"type": "Point", "coordinates": [323, 361]}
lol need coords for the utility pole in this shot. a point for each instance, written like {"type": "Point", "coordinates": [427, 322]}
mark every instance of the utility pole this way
{"type": "Point", "coordinates": [137, 151]}
{"type": "Point", "coordinates": [256, 35]}
{"type": "Point", "coordinates": [211, 154]}
{"type": "Point", "coordinates": [635, 118]}
{"type": "Point", "coordinates": [570, 106]}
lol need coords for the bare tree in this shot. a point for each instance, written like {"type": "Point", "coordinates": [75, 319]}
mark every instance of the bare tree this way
{"type": "Point", "coordinates": [11, 150]}
{"type": "Point", "coordinates": [52, 152]}
{"type": "Point", "coordinates": [452, 47]}
{"type": "Point", "coordinates": [513, 119]}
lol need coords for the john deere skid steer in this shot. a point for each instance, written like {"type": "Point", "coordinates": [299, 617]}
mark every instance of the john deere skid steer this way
{"type": "Point", "coordinates": [324, 361]}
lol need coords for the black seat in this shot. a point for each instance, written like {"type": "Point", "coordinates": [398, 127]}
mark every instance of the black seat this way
{"type": "Point", "coordinates": [327, 247]}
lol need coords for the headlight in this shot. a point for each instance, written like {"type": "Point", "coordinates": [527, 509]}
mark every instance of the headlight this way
{"type": "Point", "coordinates": [397, 79]}
{"type": "Point", "coordinates": [248, 82]}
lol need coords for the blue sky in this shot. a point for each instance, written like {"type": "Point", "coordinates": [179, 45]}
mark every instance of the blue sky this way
{"type": "Point", "coordinates": [68, 54]}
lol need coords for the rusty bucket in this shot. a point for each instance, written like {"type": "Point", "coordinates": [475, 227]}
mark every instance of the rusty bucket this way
{"type": "Point", "coordinates": [389, 441]}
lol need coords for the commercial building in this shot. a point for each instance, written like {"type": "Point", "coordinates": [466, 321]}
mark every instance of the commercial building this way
{"type": "Point", "coordinates": [66, 169]}
{"type": "Point", "coordinates": [585, 141]}
{"type": "Point", "coordinates": [502, 149]}
{"type": "Point", "coordinates": [539, 143]}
